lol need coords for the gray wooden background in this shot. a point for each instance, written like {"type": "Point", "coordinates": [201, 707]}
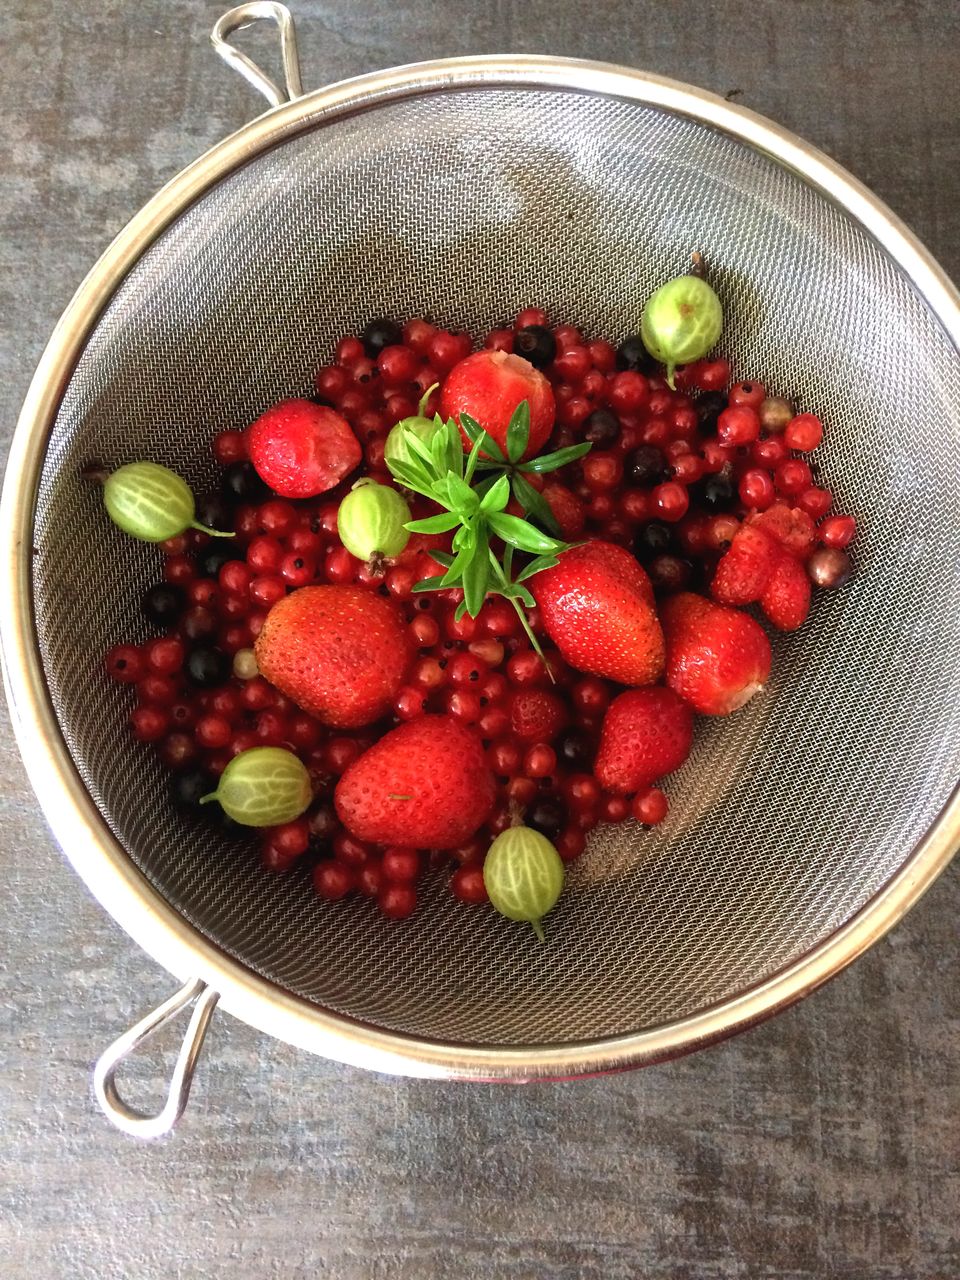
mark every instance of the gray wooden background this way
{"type": "Point", "coordinates": [824, 1144]}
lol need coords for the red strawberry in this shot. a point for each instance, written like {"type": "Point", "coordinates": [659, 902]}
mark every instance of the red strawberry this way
{"type": "Point", "coordinates": [646, 734]}
{"type": "Point", "coordinates": [301, 449]}
{"type": "Point", "coordinates": [597, 608]}
{"type": "Point", "coordinates": [424, 785]}
{"type": "Point", "coordinates": [791, 526]}
{"type": "Point", "coordinates": [786, 598]}
{"type": "Point", "coordinates": [717, 657]}
{"type": "Point", "coordinates": [338, 652]}
{"type": "Point", "coordinates": [568, 510]}
{"type": "Point", "coordinates": [536, 715]}
{"type": "Point", "coordinates": [489, 385]}
{"type": "Point", "coordinates": [745, 569]}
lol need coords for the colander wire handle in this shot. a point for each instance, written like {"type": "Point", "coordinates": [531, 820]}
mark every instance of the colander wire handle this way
{"type": "Point", "coordinates": [242, 16]}
{"type": "Point", "coordinates": [136, 1123]}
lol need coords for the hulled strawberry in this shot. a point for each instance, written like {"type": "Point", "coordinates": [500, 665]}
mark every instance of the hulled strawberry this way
{"type": "Point", "coordinates": [338, 652]}
{"type": "Point", "coordinates": [646, 734]}
{"type": "Point", "coordinates": [424, 785]}
{"type": "Point", "coordinates": [597, 608]}
{"type": "Point", "coordinates": [301, 449]}
{"type": "Point", "coordinates": [790, 526]}
{"type": "Point", "coordinates": [489, 385]}
{"type": "Point", "coordinates": [536, 715]}
{"type": "Point", "coordinates": [717, 657]}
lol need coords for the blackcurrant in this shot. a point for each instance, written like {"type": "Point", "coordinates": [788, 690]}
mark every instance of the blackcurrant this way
{"type": "Point", "coordinates": [601, 428]}
{"type": "Point", "coordinates": [718, 493]}
{"type": "Point", "coordinates": [708, 408]}
{"type": "Point", "coordinates": [214, 511]}
{"type": "Point", "coordinates": [207, 667]}
{"type": "Point", "coordinates": [211, 558]}
{"type": "Point", "coordinates": [653, 539]}
{"type": "Point", "coordinates": [378, 334]}
{"type": "Point", "coordinates": [189, 787]}
{"type": "Point", "coordinates": [632, 354]}
{"type": "Point", "coordinates": [535, 343]}
{"type": "Point", "coordinates": [575, 749]}
{"type": "Point", "coordinates": [242, 484]}
{"type": "Point", "coordinates": [548, 816]}
{"type": "Point", "coordinates": [163, 604]}
{"type": "Point", "coordinates": [645, 465]}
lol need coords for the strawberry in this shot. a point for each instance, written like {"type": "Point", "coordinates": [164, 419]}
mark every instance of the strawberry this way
{"type": "Point", "coordinates": [489, 385]}
{"type": "Point", "coordinates": [717, 657]}
{"type": "Point", "coordinates": [745, 569]}
{"type": "Point", "coordinates": [536, 715]}
{"type": "Point", "coordinates": [338, 652]}
{"type": "Point", "coordinates": [301, 449]}
{"type": "Point", "coordinates": [568, 510]}
{"type": "Point", "coordinates": [646, 734]}
{"type": "Point", "coordinates": [786, 598]}
{"type": "Point", "coordinates": [597, 608]}
{"type": "Point", "coordinates": [424, 785]}
{"type": "Point", "coordinates": [790, 526]}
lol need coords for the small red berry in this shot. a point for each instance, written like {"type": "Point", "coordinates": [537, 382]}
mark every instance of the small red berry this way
{"type": "Point", "coordinates": [125, 664]}
{"type": "Point", "coordinates": [332, 880]}
{"type": "Point", "coordinates": [738, 425]}
{"type": "Point", "coordinates": [650, 807]}
{"type": "Point", "coordinates": [165, 655]}
{"type": "Point", "coordinates": [397, 901]}
{"type": "Point", "coordinates": [815, 502]}
{"type": "Point", "coordinates": [671, 501]}
{"type": "Point", "coordinates": [400, 864]}
{"type": "Point", "coordinates": [752, 394]}
{"type": "Point", "coordinates": [803, 433]}
{"type": "Point", "coordinates": [467, 884]}
{"type": "Point", "coordinates": [756, 489]}
{"type": "Point", "coordinates": [570, 844]}
{"type": "Point", "coordinates": [838, 531]}
{"type": "Point", "coordinates": [149, 723]}
{"type": "Point", "coordinates": [539, 761]}
{"type": "Point", "coordinates": [792, 477]}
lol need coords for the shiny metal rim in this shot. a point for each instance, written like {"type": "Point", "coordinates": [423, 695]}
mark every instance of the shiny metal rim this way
{"type": "Point", "coordinates": [102, 862]}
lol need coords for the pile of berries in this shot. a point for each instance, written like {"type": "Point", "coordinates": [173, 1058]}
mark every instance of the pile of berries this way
{"type": "Point", "coordinates": [706, 492]}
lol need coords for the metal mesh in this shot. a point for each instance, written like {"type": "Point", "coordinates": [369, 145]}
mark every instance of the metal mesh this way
{"type": "Point", "coordinates": [467, 206]}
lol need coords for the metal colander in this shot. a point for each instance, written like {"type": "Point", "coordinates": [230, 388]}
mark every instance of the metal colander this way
{"type": "Point", "coordinates": [800, 828]}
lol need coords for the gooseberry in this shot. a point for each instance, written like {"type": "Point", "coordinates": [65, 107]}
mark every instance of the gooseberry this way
{"type": "Point", "coordinates": [523, 875]}
{"type": "Point", "coordinates": [263, 787]}
{"type": "Point", "coordinates": [681, 322]}
{"type": "Point", "coordinates": [152, 503]}
{"type": "Point", "coordinates": [371, 519]}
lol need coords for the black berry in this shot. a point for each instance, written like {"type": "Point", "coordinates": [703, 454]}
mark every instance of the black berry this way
{"type": "Point", "coordinates": [211, 558]}
{"type": "Point", "coordinates": [653, 539]}
{"type": "Point", "coordinates": [536, 344]}
{"type": "Point", "coordinates": [547, 816]}
{"type": "Point", "coordinates": [575, 748]}
{"type": "Point", "coordinates": [645, 465]}
{"type": "Point", "coordinates": [242, 484]}
{"type": "Point", "coordinates": [718, 493]}
{"type": "Point", "coordinates": [163, 604]}
{"type": "Point", "coordinates": [378, 334]}
{"type": "Point", "coordinates": [214, 511]}
{"type": "Point", "coordinates": [189, 787]}
{"type": "Point", "coordinates": [708, 407]}
{"type": "Point", "coordinates": [207, 667]}
{"type": "Point", "coordinates": [602, 428]}
{"type": "Point", "coordinates": [632, 354]}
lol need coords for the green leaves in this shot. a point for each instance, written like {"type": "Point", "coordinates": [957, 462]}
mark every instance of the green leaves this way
{"type": "Point", "coordinates": [474, 510]}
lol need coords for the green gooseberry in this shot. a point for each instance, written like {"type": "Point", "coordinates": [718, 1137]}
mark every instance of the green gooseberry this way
{"type": "Point", "coordinates": [263, 787]}
{"type": "Point", "coordinates": [523, 875]}
{"type": "Point", "coordinates": [152, 503]}
{"type": "Point", "coordinates": [371, 521]}
{"type": "Point", "coordinates": [395, 447]}
{"type": "Point", "coordinates": [681, 322]}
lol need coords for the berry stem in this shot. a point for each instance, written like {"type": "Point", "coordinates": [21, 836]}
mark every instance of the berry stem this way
{"type": "Point", "coordinates": [537, 927]}
{"type": "Point", "coordinates": [214, 533]}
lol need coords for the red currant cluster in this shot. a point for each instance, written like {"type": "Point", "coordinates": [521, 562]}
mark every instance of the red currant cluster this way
{"type": "Point", "coordinates": [671, 474]}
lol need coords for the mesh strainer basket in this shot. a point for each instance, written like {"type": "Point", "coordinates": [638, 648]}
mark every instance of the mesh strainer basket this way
{"type": "Point", "coordinates": [801, 829]}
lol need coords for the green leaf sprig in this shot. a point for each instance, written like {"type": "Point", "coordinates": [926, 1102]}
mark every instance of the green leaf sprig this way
{"type": "Point", "coordinates": [444, 472]}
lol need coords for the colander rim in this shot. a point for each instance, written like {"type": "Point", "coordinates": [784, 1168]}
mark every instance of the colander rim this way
{"type": "Point", "coordinates": [87, 841]}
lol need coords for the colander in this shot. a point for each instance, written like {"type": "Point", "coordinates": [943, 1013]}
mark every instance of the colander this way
{"type": "Point", "coordinates": [801, 828]}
